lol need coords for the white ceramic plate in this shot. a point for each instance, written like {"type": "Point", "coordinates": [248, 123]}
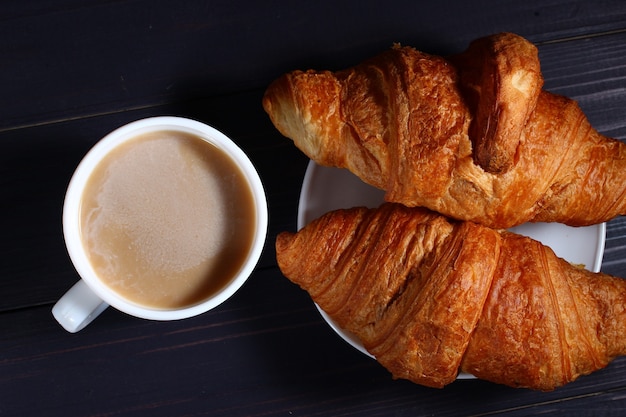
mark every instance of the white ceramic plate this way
{"type": "Point", "coordinates": [325, 189]}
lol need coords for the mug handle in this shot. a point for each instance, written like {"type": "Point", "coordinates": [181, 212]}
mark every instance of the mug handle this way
{"type": "Point", "coordinates": [78, 307]}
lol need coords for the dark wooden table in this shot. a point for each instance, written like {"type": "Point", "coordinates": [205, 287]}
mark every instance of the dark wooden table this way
{"type": "Point", "coordinates": [72, 71]}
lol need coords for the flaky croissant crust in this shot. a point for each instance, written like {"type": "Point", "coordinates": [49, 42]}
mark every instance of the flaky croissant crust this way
{"type": "Point", "coordinates": [472, 136]}
{"type": "Point", "coordinates": [428, 296]}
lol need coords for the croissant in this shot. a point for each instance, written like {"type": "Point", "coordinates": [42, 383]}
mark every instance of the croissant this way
{"type": "Point", "coordinates": [428, 296]}
{"type": "Point", "coordinates": [472, 136]}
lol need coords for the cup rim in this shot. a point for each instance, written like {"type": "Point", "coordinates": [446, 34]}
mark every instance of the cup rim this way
{"type": "Point", "coordinates": [71, 220]}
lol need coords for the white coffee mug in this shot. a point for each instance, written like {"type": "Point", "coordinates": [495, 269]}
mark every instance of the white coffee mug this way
{"type": "Point", "coordinates": [90, 296]}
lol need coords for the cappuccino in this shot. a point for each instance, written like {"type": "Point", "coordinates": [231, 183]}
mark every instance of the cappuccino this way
{"type": "Point", "coordinates": [167, 219]}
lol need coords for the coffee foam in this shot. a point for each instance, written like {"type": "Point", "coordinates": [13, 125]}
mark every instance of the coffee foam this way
{"type": "Point", "coordinates": [163, 200]}
{"type": "Point", "coordinates": [168, 219]}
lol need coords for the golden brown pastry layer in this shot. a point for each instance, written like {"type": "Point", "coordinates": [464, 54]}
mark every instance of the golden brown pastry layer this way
{"type": "Point", "coordinates": [472, 136]}
{"type": "Point", "coordinates": [429, 297]}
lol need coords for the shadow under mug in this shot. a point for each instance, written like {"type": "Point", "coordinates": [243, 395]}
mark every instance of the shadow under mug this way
{"type": "Point", "coordinates": [90, 295]}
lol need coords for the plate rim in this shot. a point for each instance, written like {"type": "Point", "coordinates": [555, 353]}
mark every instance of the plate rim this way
{"type": "Point", "coordinates": [351, 339]}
